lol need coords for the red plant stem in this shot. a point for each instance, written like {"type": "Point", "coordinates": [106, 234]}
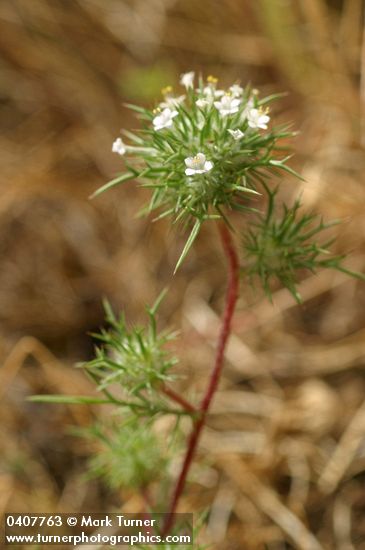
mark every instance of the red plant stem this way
{"type": "Point", "coordinates": [148, 504]}
{"type": "Point", "coordinates": [147, 497]}
{"type": "Point", "coordinates": [179, 399]}
{"type": "Point", "coordinates": [231, 299]}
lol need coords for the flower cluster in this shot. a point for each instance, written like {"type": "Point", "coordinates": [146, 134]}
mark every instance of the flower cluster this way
{"type": "Point", "coordinates": [210, 150]}
{"type": "Point", "coordinates": [203, 152]}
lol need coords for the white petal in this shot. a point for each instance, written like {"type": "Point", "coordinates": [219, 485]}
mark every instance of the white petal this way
{"type": "Point", "coordinates": [166, 114]}
{"type": "Point", "coordinates": [158, 120]}
{"type": "Point", "coordinates": [171, 102]}
{"type": "Point", "coordinates": [236, 134]}
{"type": "Point", "coordinates": [187, 79]}
{"type": "Point", "coordinates": [208, 166]}
{"type": "Point", "coordinates": [202, 102]}
{"type": "Point", "coordinates": [236, 90]}
{"type": "Point", "coordinates": [190, 172]}
{"type": "Point", "coordinates": [119, 147]}
{"type": "Point", "coordinates": [208, 91]}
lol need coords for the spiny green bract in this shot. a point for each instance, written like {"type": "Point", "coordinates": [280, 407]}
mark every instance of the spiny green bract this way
{"type": "Point", "coordinates": [132, 361]}
{"type": "Point", "coordinates": [280, 246]}
{"type": "Point", "coordinates": [130, 456]}
{"type": "Point", "coordinates": [202, 153]}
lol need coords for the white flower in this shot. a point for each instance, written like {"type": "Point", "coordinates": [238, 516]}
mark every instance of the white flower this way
{"type": "Point", "coordinates": [171, 102]}
{"type": "Point", "coordinates": [210, 92]}
{"type": "Point", "coordinates": [236, 134]}
{"type": "Point", "coordinates": [228, 105]}
{"type": "Point", "coordinates": [202, 102]}
{"type": "Point", "coordinates": [197, 165]}
{"type": "Point", "coordinates": [257, 118]}
{"type": "Point", "coordinates": [236, 90]}
{"type": "Point", "coordinates": [164, 119]}
{"type": "Point", "coordinates": [187, 79]}
{"type": "Point", "coordinates": [119, 147]}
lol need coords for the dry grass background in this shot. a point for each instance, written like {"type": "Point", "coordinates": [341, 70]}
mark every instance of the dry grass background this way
{"type": "Point", "coordinates": [282, 461]}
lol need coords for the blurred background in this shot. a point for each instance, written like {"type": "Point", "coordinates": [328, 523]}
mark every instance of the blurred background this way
{"type": "Point", "coordinates": [290, 416]}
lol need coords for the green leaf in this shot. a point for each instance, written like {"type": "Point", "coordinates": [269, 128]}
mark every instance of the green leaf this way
{"type": "Point", "coordinates": [120, 179]}
{"type": "Point", "coordinates": [68, 399]}
{"type": "Point", "coordinates": [140, 110]}
{"type": "Point", "coordinates": [280, 164]}
{"type": "Point", "coordinates": [133, 137]}
{"type": "Point", "coordinates": [188, 244]}
{"type": "Point", "coordinates": [156, 305]}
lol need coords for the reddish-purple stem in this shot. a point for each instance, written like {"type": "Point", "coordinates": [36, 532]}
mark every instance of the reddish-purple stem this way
{"type": "Point", "coordinates": [231, 299]}
{"type": "Point", "coordinates": [179, 399]}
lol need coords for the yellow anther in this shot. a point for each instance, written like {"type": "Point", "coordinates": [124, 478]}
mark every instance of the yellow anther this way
{"type": "Point", "coordinates": [212, 79]}
{"type": "Point", "coordinates": [166, 90]}
{"type": "Point", "coordinates": [156, 111]}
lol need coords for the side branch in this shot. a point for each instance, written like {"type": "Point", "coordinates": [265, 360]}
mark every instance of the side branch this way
{"type": "Point", "coordinates": [179, 399]}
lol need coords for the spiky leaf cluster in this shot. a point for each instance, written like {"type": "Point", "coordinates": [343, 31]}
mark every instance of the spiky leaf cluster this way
{"type": "Point", "coordinates": [132, 364]}
{"type": "Point", "coordinates": [130, 454]}
{"type": "Point", "coordinates": [202, 153]}
{"type": "Point", "coordinates": [281, 246]}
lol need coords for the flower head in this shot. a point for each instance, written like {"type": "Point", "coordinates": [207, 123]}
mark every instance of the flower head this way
{"type": "Point", "coordinates": [197, 165]}
{"type": "Point", "coordinates": [119, 147]}
{"type": "Point", "coordinates": [199, 154]}
{"type": "Point", "coordinates": [257, 118]}
{"type": "Point", "coordinates": [236, 134]}
{"type": "Point", "coordinates": [228, 105]}
{"type": "Point", "coordinates": [164, 119]}
{"type": "Point", "coordinates": [187, 79]}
